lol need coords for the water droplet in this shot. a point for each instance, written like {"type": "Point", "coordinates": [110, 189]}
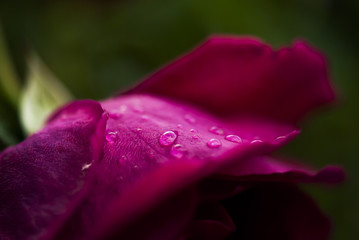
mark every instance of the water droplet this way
{"type": "Point", "coordinates": [177, 151]}
{"type": "Point", "coordinates": [256, 141]}
{"type": "Point", "coordinates": [279, 138]}
{"type": "Point", "coordinates": [216, 130]}
{"type": "Point", "coordinates": [195, 137]}
{"type": "Point", "coordinates": [189, 118]}
{"type": "Point", "coordinates": [135, 166]}
{"type": "Point", "coordinates": [86, 166]}
{"type": "Point", "coordinates": [111, 136]}
{"type": "Point", "coordinates": [179, 125]}
{"type": "Point", "coordinates": [138, 130]}
{"type": "Point", "coordinates": [193, 130]}
{"type": "Point", "coordinates": [233, 138]}
{"type": "Point", "coordinates": [167, 138]}
{"type": "Point", "coordinates": [214, 143]}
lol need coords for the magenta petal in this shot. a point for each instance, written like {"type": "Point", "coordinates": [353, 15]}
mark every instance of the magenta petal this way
{"type": "Point", "coordinates": [266, 168]}
{"type": "Point", "coordinates": [40, 176]}
{"type": "Point", "coordinates": [144, 165]}
{"type": "Point", "coordinates": [240, 76]}
{"type": "Point", "coordinates": [280, 212]}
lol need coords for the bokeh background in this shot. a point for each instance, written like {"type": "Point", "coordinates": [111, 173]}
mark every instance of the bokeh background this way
{"type": "Point", "coordinates": [98, 47]}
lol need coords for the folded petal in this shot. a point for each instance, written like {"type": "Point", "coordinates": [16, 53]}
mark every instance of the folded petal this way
{"type": "Point", "coordinates": [267, 168]}
{"type": "Point", "coordinates": [276, 211]}
{"type": "Point", "coordinates": [242, 76]}
{"type": "Point", "coordinates": [41, 176]}
{"type": "Point", "coordinates": [252, 171]}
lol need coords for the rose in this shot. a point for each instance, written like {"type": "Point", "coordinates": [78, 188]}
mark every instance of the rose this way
{"type": "Point", "coordinates": [161, 160]}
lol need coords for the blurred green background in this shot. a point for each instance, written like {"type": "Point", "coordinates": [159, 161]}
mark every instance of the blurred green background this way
{"type": "Point", "coordinates": [98, 47]}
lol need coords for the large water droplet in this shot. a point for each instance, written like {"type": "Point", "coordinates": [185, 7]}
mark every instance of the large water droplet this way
{"type": "Point", "coordinates": [233, 138]}
{"type": "Point", "coordinates": [177, 151]}
{"type": "Point", "coordinates": [167, 138]}
{"type": "Point", "coordinates": [216, 130]}
{"type": "Point", "coordinates": [256, 141]}
{"type": "Point", "coordinates": [189, 118]}
{"type": "Point", "coordinates": [214, 143]}
{"type": "Point", "coordinates": [86, 166]}
{"type": "Point", "coordinates": [111, 136]}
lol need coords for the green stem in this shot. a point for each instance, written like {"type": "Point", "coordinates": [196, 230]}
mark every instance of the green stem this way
{"type": "Point", "coordinates": [9, 83]}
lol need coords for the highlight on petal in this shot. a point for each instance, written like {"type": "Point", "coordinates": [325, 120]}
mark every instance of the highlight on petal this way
{"type": "Point", "coordinates": [40, 176]}
{"type": "Point", "coordinates": [276, 211]}
{"type": "Point", "coordinates": [243, 76]}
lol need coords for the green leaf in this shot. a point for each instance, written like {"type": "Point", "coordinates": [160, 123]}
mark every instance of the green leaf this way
{"type": "Point", "coordinates": [9, 82]}
{"type": "Point", "coordinates": [42, 94]}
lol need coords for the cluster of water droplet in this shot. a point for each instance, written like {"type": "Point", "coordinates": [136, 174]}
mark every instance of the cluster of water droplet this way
{"type": "Point", "coordinates": [168, 138]}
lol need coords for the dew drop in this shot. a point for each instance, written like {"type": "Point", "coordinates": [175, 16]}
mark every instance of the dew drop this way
{"type": "Point", "coordinates": [111, 136]}
{"type": "Point", "coordinates": [86, 166]}
{"type": "Point", "coordinates": [216, 130]}
{"type": "Point", "coordinates": [195, 137]}
{"type": "Point", "coordinates": [193, 130]}
{"type": "Point", "coordinates": [189, 118]}
{"type": "Point", "coordinates": [167, 138]}
{"type": "Point", "coordinates": [214, 143]}
{"type": "Point", "coordinates": [177, 151]}
{"type": "Point", "coordinates": [179, 125]}
{"type": "Point", "coordinates": [279, 138]}
{"type": "Point", "coordinates": [138, 130]}
{"type": "Point", "coordinates": [135, 166]}
{"type": "Point", "coordinates": [256, 141]}
{"type": "Point", "coordinates": [233, 138]}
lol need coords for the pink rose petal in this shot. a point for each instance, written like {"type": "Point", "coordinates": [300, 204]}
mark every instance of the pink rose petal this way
{"type": "Point", "coordinates": [235, 76]}
{"type": "Point", "coordinates": [41, 176]}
